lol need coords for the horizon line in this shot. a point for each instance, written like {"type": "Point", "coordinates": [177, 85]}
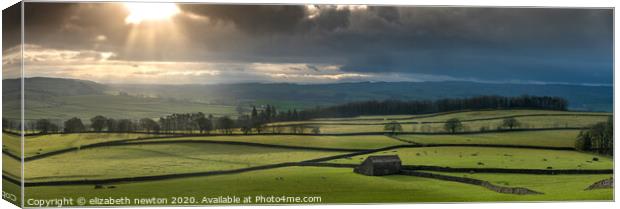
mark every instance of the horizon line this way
{"type": "Point", "coordinates": [346, 82]}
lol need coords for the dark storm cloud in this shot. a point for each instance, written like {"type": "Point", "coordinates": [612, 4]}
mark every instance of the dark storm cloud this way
{"type": "Point", "coordinates": [252, 18]}
{"type": "Point", "coordinates": [541, 44]}
{"type": "Point", "coordinates": [270, 19]}
{"type": "Point", "coordinates": [11, 26]}
{"type": "Point", "coordinates": [389, 14]}
{"type": "Point", "coordinates": [72, 25]}
{"type": "Point", "coordinates": [559, 45]}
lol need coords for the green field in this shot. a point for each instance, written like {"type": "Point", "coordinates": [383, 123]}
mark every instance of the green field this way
{"type": "Point", "coordinates": [528, 122]}
{"type": "Point", "coordinates": [487, 120]}
{"type": "Point", "coordinates": [471, 115]}
{"type": "Point", "coordinates": [552, 138]}
{"type": "Point", "coordinates": [342, 142]}
{"type": "Point", "coordinates": [35, 145]}
{"type": "Point", "coordinates": [470, 157]}
{"type": "Point", "coordinates": [13, 189]}
{"type": "Point", "coordinates": [333, 185]}
{"type": "Point", "coordinates": [11, 143]}
{"type": "Point", "coordinates": [11, 167]}
{"type": "Point", "coordinates": [338, 185]}
{"type": "Point", "coordinates": [146, 160]}
{"type": "Point", "coordinates": [440, 117]}
{"type": "Point", "coordinates": [571, 184]}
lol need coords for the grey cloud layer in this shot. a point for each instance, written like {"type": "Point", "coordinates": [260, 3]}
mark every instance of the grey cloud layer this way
{"type": "Point", "coordinates": [528, 44]}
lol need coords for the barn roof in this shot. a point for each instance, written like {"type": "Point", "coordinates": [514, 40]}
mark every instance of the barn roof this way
{"type": "Point", "coordinates": [383, 158]}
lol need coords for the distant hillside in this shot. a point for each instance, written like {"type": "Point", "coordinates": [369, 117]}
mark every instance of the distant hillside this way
{"type": "Point", "coordinates": [56, 98]}
{"type": "Point", "coordinates": [590, 98]}
{"type": "Point", "coordinates": [64, 98]}
{"type": "Point", "coordinates": [42, 86]}
{"type": "Point", "coordinates": [44, 92]}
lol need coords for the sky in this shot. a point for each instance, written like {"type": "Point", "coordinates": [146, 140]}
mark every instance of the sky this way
{"type": "Point", "coordinates": [204, 44]}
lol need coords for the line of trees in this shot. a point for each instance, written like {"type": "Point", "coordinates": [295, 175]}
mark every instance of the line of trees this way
{"type": "Point", "coordinates": [395, 107]}
{"type": "Point", "coordinates": [255, 122]}
{"type": "Point", "coordinates": [98, 124]}
{"type": "Point", "coordinates": [599, 138]}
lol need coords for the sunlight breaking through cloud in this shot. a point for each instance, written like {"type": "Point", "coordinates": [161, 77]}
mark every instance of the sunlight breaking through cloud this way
{"type": "Point", "coordinates": [103, 67]}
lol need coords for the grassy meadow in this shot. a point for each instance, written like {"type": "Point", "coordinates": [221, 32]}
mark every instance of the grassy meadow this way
{"type": "Point", "coordinates": [11, 167]}
{"type": "Point", "coordinates": [39, 144]}
{"type": "Point", "coordinates": [462, 115]}
{"type": "Point", "coordinates": [334, 185]}
{"type": "Point", "coordinates": [483, 157]}
{"type": "Point", "coordinates": [341, 185]}
{"type": "Point", "coordinates": [338, 142]}
{"type": "Point", "coordinates": [550, 138]}
{"type": "Point", "coordinates": [159, 159]}
{"type": "Point", "coordinates": [472, 121]}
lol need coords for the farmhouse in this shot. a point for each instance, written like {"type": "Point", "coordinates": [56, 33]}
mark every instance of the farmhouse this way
{"type": "Point", "coordinates": [379, 165]}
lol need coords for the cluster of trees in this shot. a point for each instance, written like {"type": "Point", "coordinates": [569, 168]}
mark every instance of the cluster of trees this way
{"type": "Point", "coordinates": [98, 124]}
{"type": "Point", "coordinates": [10, 124]}
{"type": "Point", "coordinates": [394, 107]}
{"type": "Point", "coordinates": [46, 126]}
{"type": "Point", "coordinates": [187, 122]}
{"type": "Point", "coordinates": [32, 126]}
{"type": "Point", "coordinates": [599, 138]}
{"type": "Point", "coordinates": [257, 119]}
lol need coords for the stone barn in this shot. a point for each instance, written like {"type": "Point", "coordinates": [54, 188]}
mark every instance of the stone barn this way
{"type": "Point", "coordinates": [379, 165]}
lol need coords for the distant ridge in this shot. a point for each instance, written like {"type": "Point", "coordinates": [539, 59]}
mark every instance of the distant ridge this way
{"type": "Point", "coordinates": [580, 97]}
{"type": "Point", "coordinates": [46, 86]}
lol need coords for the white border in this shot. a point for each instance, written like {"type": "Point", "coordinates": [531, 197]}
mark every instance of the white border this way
{"type": "Point", "coordinates": [512, 3]}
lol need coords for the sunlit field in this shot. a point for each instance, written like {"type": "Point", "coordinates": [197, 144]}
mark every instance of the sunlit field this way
{"type": "Point", "coordinates": [341, 185]}
{"type": "Point", "coordinates": [479, 157]}
{"type": "Point", "coordinates": [139, 155]}
{"type": "Point", "coordinates": [147, 160]}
